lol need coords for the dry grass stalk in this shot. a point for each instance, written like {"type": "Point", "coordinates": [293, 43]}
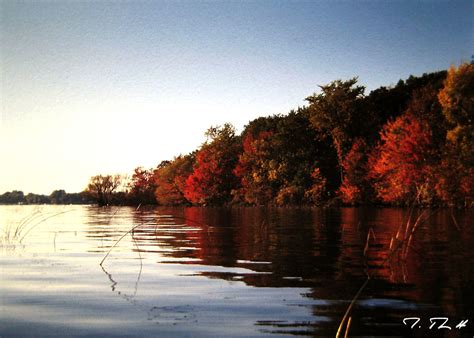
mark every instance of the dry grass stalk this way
{"type": "Point", "coordinates": [26, 225]}
{"type": "Point", "coordinates": [118, 241]}
{"type": "Point", "coordinates": [349, 308]}
{"type": "Point", "coordinates": [409, 239]}
{"type": "Point", "coordinates": [40, 222]}
{"type": "Point", "coordinates": [130, 231]}
{"type": "Point", "coordinates": [396, 243]}
{"type": "Point", "coordinates": [371, 232]}
{"type": "Point", "coordinates": [455, 222]}
{"type": "Point", "coordinates": [348, 327]}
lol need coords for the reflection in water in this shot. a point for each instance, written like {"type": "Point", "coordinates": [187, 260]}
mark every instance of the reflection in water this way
{"type": "Point", "coordinates": [234, 271]}
{"type": "Point", "coordinates": [114, 283]}
{"type": "Point", "coordinates": [325, 251]}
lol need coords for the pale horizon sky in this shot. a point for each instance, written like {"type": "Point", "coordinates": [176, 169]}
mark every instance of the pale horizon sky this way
{"type": "Point", "coordinates": [102, 87]}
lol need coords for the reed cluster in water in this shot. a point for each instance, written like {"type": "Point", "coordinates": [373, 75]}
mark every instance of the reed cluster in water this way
{"type": "Point", "coordinates": [399, 247]}
{"type": "Point", "coordinates": [16, 233]}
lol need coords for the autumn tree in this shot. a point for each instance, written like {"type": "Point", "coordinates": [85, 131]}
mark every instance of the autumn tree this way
{"type": "Point", "coordinates": [278, 156]}
{"type": "Point", "coordinates": [457, 101]}
{"type": "Point", "coordinates": [102, 187]}
{"type": "Point", "coordinates": [317, 193]}
{"type": "Point", "coordinates": [399, 164]}
{"type": "Point", "coordinates": [336, 112]}
{"type": "Point", "coordinates": [212, 179]}
{"type": "Point", "coordinates": [454, 178]}
{"type": "Point", "coordinates": [142, 186]}
{"type": "Point", "coordinates": [384, 104]}
{"type": "Point", "coordinates": [170, 180]}
{"type": "Point", "coordinates": [355, 187]}
{"type": "Point", "coordinates": [255, 170]}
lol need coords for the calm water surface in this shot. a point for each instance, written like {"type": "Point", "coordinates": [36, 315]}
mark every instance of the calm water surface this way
{"type": "Point", "coordinates": [230, 272]}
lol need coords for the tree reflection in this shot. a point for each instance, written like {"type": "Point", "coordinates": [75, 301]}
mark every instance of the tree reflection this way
{"type": "Point", "coordinates": [324, 251]}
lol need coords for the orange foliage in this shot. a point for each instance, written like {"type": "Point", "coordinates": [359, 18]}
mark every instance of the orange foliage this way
{"type": "Point", "coordinates": [355, 186]}
{"type": "Point", "coordinates": [254, 171]}
{"type": "Point", "coordinates": [212, 179]}
{"type": "Point", "coordinates": [142, 186]}
{"type": "Point", "coordinates": [349, 193]}
{"type": "Point", "coordinates": [454, 184]}
{"type": "Point", "coordinates": [399, 164]}
{"type": "Point", "coordinates": [318, 191]}
{"type": "Point", "coordinates": [206, 178]}
{"type": "Point", "coordinates": [171, 180]}
{"type": "Point", "coordinates": [288, 195]}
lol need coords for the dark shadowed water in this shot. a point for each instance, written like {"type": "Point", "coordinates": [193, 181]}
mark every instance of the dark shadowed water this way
{"type": "Point", "coordinates": [232, 272]}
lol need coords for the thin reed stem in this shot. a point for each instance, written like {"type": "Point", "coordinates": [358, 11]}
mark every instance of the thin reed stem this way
{"type": "Point", "coordinates": [118, 241]}
{"type": "Point", "coordinates": [42, 221]}
{"type": "Point", "coordinates": [138, 225]}
{"type": "Point", "coordinates": [141, 266]}
{"type": "Point", "coordinates": [366, 248]}
{"type": "Point", "coordinates": [349, 308]}
{"type": "Point", "coordinates": [454, 220]}
{"type": "Point", "coordinates": [409, 232]}
{"type": "Point", "coordinates": [348, 327]}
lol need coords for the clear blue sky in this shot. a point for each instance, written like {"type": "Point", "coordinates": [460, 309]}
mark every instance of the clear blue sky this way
{"type": "Point", "coordinates": [103, 87]}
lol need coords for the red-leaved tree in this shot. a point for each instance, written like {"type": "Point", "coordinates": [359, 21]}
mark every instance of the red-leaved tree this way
{"type": "Point", "coordinates": [212, 179]}
{"type": "Point", "coordinates": [142, 186]}
{"type": "Point", "coordinates": [254, 170]}
{"type": "Point", "coordinates": [399, 165]}
{"type": "Point", "coordinates": [170, 179]}
{"type": "Point", "coordinates": [355, 187]}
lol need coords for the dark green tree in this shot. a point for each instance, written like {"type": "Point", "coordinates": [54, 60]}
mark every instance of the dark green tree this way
{"type": "Point", "coordinates": [337, 112]}
{"type": "Point", "coordinates": [58, 197]}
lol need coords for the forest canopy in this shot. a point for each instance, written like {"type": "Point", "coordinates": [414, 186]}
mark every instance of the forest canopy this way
{"type": "Point", "coordinates": [402, 145]}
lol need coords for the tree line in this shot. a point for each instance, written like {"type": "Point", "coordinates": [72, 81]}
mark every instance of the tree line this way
{"type": "Point", "coordinates": [400, 145]}
{"type": "Point", "coordinates": [56, 197]}
{"type": "Point", "coordinates": [410, 143]}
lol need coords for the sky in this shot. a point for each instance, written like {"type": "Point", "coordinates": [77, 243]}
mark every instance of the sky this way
{"type": "Point", "coordinates": [97, 87]}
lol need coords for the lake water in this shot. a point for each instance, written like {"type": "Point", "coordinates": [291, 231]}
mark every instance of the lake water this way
{"type": "Point", "coordinates": [203, 272]}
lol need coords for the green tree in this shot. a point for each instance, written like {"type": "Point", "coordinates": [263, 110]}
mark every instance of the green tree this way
{"type": "Point", "coordinates": [12, 197]}
{"type": "Point", "coordinates": [299, 149]}
{"type": "Point", "coordinates": [58, 197]}
{"type": "Point", "coordinates": [278, 157]}
{"type": "Point", "coordinates": [336, 112]}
